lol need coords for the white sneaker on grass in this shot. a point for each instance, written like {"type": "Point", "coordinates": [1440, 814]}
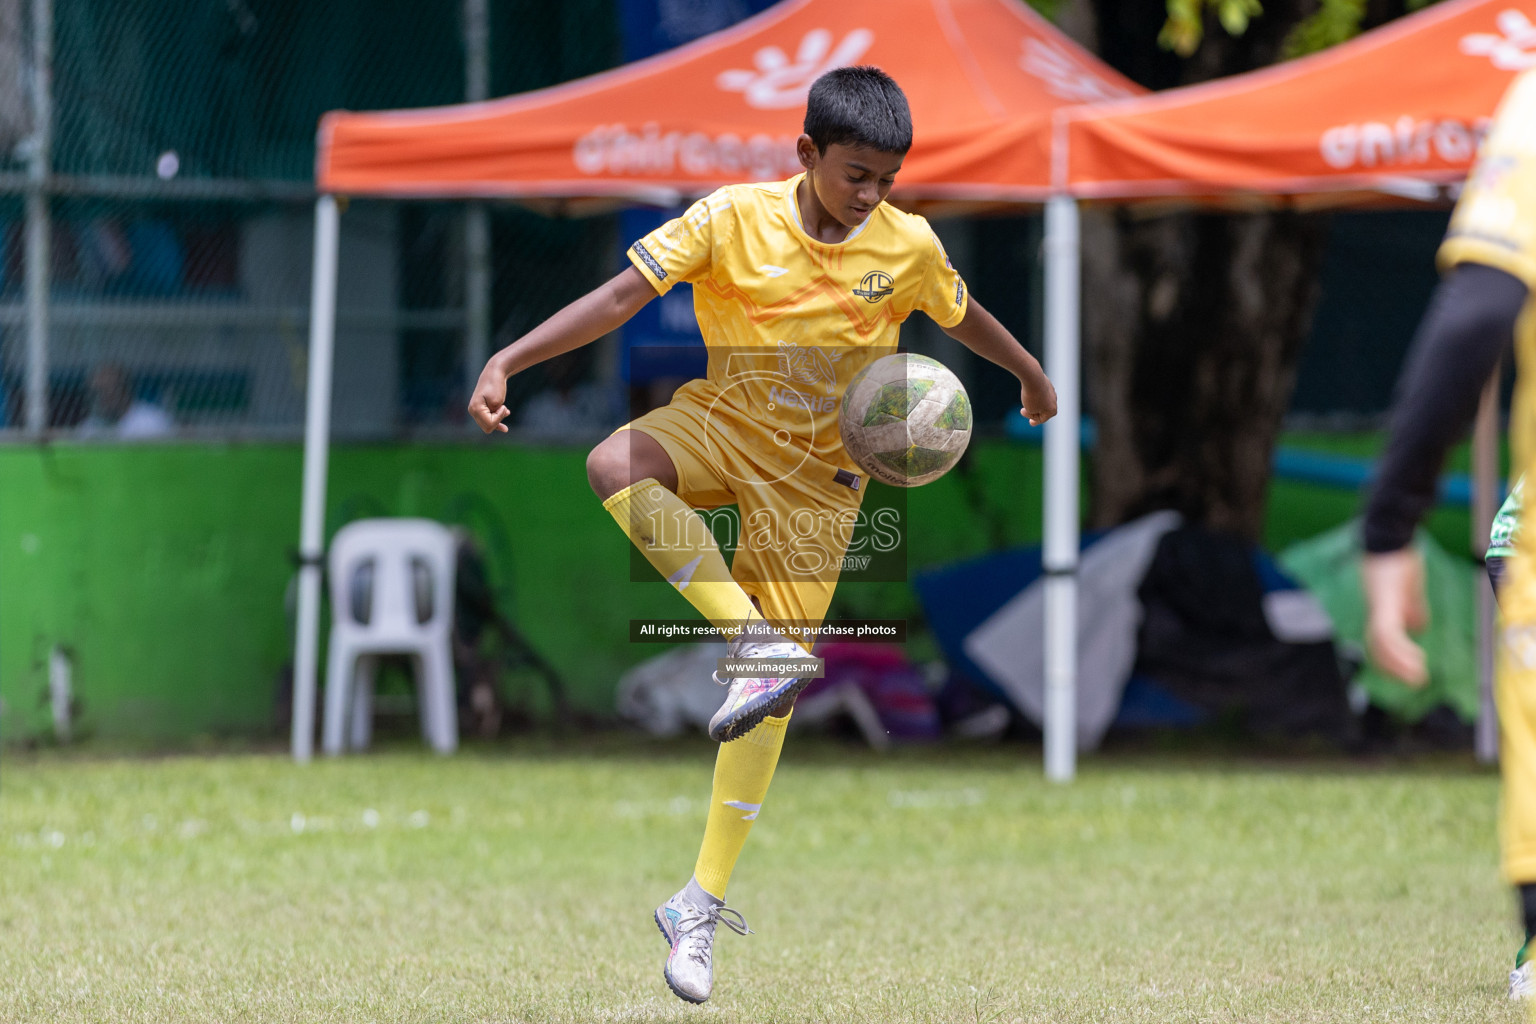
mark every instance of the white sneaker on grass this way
{"type": "Point", "coordinates": [687, 921]}
{"type": "Point", "coordinates": [752, 697]}
{"type": "Point", "coordinates": [1522, 980]}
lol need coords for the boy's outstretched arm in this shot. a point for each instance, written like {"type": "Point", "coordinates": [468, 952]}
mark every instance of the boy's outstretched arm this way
{"type": "Point", "coordinates": [980, 332]}
{"type": "Point", "coordinates": [603, 309]}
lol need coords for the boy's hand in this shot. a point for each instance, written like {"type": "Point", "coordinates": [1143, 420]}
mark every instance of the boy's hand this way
{"type": "Point", "coordinates": [488, 405]}
{"type": "Point", "coordinates": [1037, 399]}
{"type": "Point", "coordinates": [1394, 599]}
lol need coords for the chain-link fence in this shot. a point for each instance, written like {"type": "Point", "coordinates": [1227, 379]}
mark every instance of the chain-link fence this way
{"type": "Point", "coordinates": [156, 213]}
{"type": "Point", "coordinates": [155, 236]}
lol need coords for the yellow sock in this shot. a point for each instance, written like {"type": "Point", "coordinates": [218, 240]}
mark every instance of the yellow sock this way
{"type": "Point", "coordinates": [743, 769]}
{"type": "Point", "coordinates": [675, 539]}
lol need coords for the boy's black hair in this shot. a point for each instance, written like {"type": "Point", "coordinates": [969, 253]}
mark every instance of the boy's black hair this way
{"type": "Point", "coordinates": [858, 106]}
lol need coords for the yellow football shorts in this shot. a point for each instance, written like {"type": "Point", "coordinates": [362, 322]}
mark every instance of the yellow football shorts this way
{"type": "Point", "coordinates": [797, 512]}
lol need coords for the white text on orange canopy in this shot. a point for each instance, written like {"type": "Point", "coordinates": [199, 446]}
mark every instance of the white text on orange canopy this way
{"type": "Point", "coordinates": [614, 149]}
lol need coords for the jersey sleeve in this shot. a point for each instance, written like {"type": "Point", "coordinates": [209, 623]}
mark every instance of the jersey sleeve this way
{"type": "Point", "coordinates": [942, 294]}
{"type": "Point", "coordinates": [683, 248]}
{"type": "Point", "coordinates": [1495, 219]}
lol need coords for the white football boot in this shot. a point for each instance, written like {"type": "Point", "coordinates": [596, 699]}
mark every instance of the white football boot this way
{"type": "Point", "coordinates": [687, 921]}
{"type": "Point", "coordinates": [752, 697]}
{"type": "Point", "coordinates": [1522, 981]}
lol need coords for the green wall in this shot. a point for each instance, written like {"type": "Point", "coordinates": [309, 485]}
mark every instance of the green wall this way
{"type": "Point", "coordinates": [162, 568]}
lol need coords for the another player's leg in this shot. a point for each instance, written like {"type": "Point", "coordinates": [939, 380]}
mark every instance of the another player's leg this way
{"type": "Point", "coordinates": [1522, 980]}
{"type": "Point", "coordinates": [1517, 721]}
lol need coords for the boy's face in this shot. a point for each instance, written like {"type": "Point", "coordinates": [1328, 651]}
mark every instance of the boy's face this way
{"type": "Point", "coordinates": [849, 181]}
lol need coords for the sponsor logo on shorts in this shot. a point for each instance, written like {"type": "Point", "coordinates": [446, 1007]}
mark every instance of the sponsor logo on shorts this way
{"type": "Point", "coordinates": [876, 285]}
{"type": "Point", "coordinates": [959, 292]}
{"type": "Point", "coordinates": [798, 400]}
{"type": "Point", "coordinates": [847, 479]}
{"type": "Point", "coordinates": [649, 260]}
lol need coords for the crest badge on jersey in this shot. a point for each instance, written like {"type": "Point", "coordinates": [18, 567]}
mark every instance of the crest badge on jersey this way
{"type": "Point", "coordinates": [876, 285]}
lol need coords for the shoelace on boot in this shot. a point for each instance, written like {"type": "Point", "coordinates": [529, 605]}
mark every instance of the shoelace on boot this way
{"type": "Point", "coordinates": [697, 917]}
{"type": "Point", "coordinates": [692, 916]}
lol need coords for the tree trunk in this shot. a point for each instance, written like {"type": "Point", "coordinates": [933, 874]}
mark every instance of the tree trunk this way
{"type": "Point", "coordinates": [1193, 322]}
{"type": "Point", "coordinates": [1192, 337]}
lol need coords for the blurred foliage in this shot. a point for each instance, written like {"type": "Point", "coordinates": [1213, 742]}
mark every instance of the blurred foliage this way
{"type": "Point", "coordinates": [1185, 26]}
{"type": "Point", "coordinates": [1047, 9]}
{"type": "Point", "coordinates": [1334, 22]}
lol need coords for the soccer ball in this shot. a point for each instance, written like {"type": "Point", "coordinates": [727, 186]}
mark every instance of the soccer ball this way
{"type": "Point", "coordinates": [905, 419]}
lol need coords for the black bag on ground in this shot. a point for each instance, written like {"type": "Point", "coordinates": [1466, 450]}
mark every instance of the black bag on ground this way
{"type": "Point", "coordinates": [1204, 637]}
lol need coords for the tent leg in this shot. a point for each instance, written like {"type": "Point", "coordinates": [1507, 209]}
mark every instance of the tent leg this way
{"type": "Point", "coordinates": [1485, 500]}
{"type": "Point", "coordinates": [39, 245]}
{"type": "Point", "coordinates": [317, 424]}
{"type": "Point", "coordinates": [1062, 452]}
{"type": "Point", "coordinates": [477, 223]}
{"type": "Point", "coordinates": [477, 293]}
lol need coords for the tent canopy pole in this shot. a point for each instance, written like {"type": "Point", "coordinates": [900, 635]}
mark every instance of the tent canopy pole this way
{"type": "Point", "coordinates": [317, 430]}
{"type": "Point", "coordinates": [1485, 503]}
{"type": "Point", "coordinates": [1062, 297]}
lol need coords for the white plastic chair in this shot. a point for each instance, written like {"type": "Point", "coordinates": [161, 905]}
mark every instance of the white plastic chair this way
{"type": "Point", "coordinates": [400, 617]}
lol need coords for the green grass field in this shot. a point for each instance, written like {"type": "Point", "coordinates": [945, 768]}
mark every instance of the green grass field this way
{"type": "Point", "coordinates": [518, 884]}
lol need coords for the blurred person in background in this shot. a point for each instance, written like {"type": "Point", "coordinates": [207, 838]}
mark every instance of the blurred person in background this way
{"type": "Point", "coordinates": [1482, 304]}
{"type": "Point", "coordinates": [569, 407]}
{"type": "Point", "coordinates": [118, 412]}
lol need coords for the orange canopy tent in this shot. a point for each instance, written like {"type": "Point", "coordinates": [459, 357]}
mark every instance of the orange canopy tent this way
{"type": "Point", "coordinates": [982, 77]}
{"type": "Point", "coordinates": [1397, 111]}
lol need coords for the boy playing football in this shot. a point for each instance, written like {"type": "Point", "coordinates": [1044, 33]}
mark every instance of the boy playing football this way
{"type": "Point", "coordinates": [797, 286]}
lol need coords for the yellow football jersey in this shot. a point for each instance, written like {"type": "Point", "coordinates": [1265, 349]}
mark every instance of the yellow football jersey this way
{"type": "Point", "coordinates": [1495, 220]}
{"type": "Point", "coordinates": [1495, 224]}
{"type": "Point", "coordinates": [788, 320]}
